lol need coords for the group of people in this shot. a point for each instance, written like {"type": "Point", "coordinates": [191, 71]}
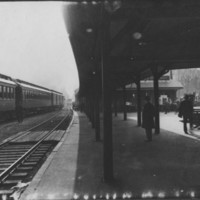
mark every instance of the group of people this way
{"type": "Point", "coordinates": [185, 110]}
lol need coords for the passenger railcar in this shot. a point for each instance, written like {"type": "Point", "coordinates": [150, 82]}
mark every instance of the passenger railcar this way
{"type": "Point", "coordinates": [18, 96]}
{"type": "Point", "coordinates": [35, 98]}
{"type": "Point", "coordinates": [57, 99]}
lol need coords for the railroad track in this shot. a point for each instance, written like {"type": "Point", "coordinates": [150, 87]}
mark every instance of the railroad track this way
{"type": "Point", "coordinates": [22, 134]}
{"type": "Point", "coordinates": [19, 161]}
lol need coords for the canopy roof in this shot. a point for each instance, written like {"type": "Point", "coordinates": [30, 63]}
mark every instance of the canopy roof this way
{"type": "Point", "coordinates": [163, 85]}
{"type": "Point", "coordinates": [144, 35]}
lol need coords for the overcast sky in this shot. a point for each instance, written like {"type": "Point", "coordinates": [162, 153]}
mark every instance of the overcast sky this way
{"type": "Point", "coordinates": [34, 45]}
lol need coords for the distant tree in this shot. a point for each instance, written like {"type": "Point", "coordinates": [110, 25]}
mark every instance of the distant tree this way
{"type": "Point", "coordinates": [189, 78]}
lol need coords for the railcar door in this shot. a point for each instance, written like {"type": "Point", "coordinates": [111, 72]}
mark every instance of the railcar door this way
{"type": "Point", "coordinates": [19, 103]}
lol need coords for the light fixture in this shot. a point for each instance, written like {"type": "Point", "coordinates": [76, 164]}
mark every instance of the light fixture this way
{"type": "Point", "coordinates": [137, 35]}
{"type": "Point", "coordinates": [89, 30]}
{"type": "Point", "coordinates": [94, 2]}
{"type": "Point", "coordinates": [84, 2]}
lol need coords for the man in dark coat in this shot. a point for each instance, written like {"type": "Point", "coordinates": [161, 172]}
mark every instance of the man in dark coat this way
{"type": "Point", "coordinates": [186, 111]}
{"type": "Point", "coordinates": [148, 118]}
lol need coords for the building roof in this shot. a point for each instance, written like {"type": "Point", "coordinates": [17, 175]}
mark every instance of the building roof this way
{"type": "Point", "coordinates": [147, 85]}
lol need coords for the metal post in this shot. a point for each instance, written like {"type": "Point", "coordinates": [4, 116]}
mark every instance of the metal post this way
{"type": "Point", "coordinates": [93, 112]}
{"type": "Point", "coordinates": [106, 97]}
{"type": "Point", "coordinates": [138, 102]}
{"type": "Point", "coordinates": [124, 102]}
{"type": "Point", "coordinates": [156, 100]}
{"type": "Point", "coordinates": [87, 109]}
{"type": "Point", "coordinates": [115, 106]}
{"type": "Point", "coordinates": [97, 111]}
{"type": "Point", "coordinates": [107, 121]}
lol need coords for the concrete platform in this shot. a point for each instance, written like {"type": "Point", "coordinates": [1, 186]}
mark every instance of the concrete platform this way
{"type": "Point", "coordinates": [169, 166]}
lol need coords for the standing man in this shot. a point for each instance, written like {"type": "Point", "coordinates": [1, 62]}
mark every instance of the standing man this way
{"type": "Point", "coordinates": [148, 115]}
{"type": "Point", "coordinates": [186, 111]}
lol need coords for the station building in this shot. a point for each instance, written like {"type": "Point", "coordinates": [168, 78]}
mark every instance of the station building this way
{"type": "Point", "coordinates": [168, 92]}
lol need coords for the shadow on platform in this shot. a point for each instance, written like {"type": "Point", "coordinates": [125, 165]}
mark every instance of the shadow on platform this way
{"type": "Point", "coordinates": [169, 165]}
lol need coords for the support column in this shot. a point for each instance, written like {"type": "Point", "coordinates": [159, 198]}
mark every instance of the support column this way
{"type": "Point", "coordinates": [92, 111]}
{"type": "Point", "coordinates": [89, 109]}
{"type": "Point", "coordinates": [115, 107]}
{"type": "Point", "coordinates": [106, 98]}
{"type": "Point", "coordinates": [86, 108]}
{"type": "Point", "coordinates": [138, 102]}
{"type": "Point", "coordinates": [156, 100]}
{"type": "Point", "coordinates": [97, 111]}
{"type": "Point", "coordinates": [107, 121]}
{"type": "Point", "coordinates": [124, 102]}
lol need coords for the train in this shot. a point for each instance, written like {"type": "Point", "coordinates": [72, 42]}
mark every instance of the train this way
{"type": "Point", "coordinates": [19, 98]}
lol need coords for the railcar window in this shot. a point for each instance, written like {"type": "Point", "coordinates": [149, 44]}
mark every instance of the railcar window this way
{"type": "Point", "coordinates": [4, 92]}
{"type": "Point", "coordinates": [11, 93]}
{"type": "Point", "coordinates": [8, 92]}
{"type": "Point", "coordinates": [7, 96]}
{"type": "Point", "coordinates": [1, 92]}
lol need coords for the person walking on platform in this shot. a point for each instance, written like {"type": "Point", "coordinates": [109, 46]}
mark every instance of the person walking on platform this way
{"type": "Point", "coordinates": [148, 115]}
{"type": "Point", "coordinates": [186, 111]}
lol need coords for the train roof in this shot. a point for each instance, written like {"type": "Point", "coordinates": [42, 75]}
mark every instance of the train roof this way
{"type": "Point", "coordinates": [34, 87]}
{"type": "Point", "coordinates": [37, 87]}
{"type": "Point", "coordinates": [7, 81]}
{"type": "Point", "coordinates": [55, 92]}
{"type": "Point", "coordinates": [31, 84]}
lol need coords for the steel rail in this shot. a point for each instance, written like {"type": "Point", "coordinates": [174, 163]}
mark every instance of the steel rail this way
{"type": "Point", "coordinates": [11, 168]}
